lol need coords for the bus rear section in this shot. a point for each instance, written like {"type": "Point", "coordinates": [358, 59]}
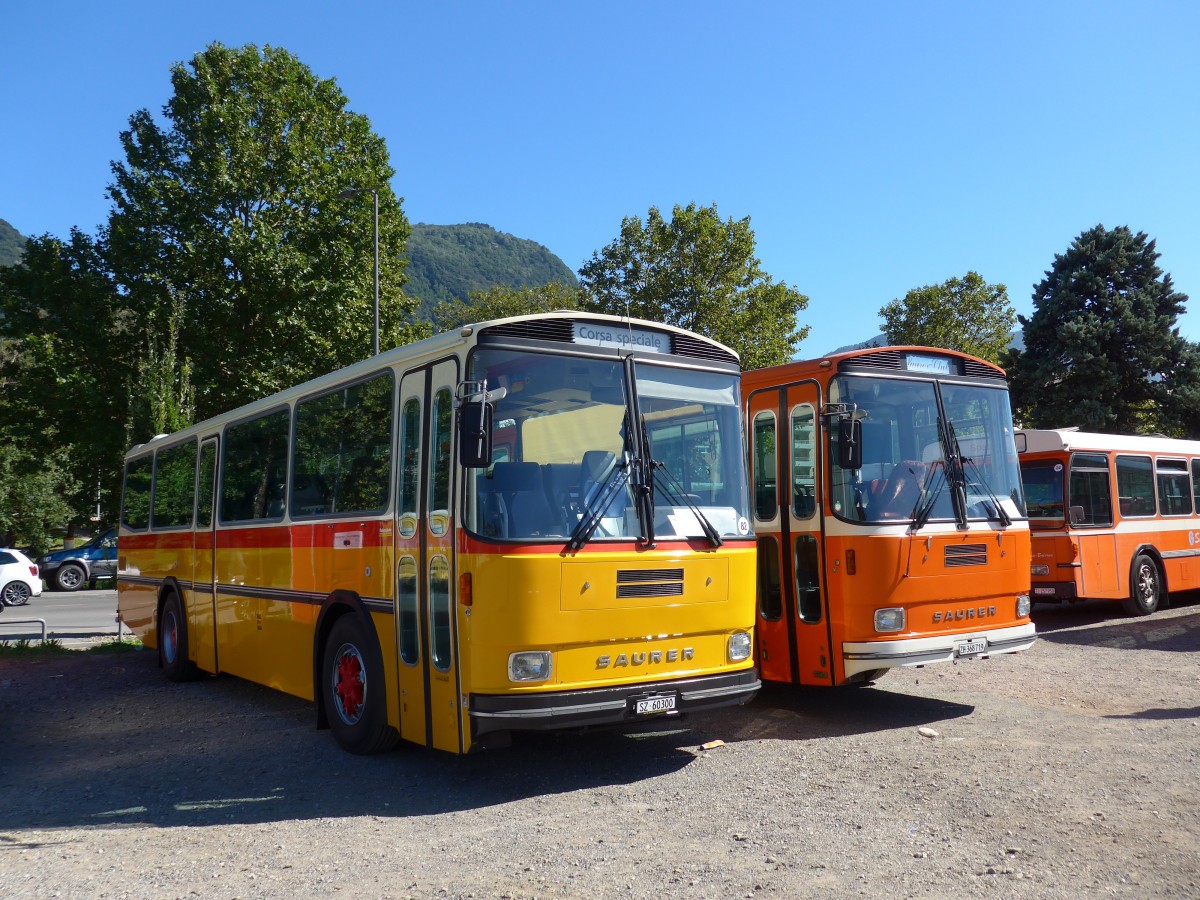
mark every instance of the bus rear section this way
{"type": "Point", "coordinates": [1113, 517]}
{"type": "Point", "coordinates": [889, 514]}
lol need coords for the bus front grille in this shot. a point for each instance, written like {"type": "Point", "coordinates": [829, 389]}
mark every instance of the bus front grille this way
{"type": "Point", "coordinates": [633, 583]}
{"type": "Point", "coordinates": [966, 555]}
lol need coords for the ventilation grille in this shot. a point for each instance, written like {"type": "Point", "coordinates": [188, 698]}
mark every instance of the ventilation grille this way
{"type": "Point", "coordinates": [883, 359]}
{"type": "Point", "coordinates": [974, 369]}
{"type": "Point", "coordinates": [686, 345]}
{"type": "Point", "coordinates": [649, 583]}
{"type": "Point", "coordinates": [536, 329]}
{"type": "Point", "coordinates": [966, 555]}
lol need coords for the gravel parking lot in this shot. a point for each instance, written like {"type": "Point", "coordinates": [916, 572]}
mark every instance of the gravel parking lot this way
{"type": "Point", "coordinates": [1068, 771]}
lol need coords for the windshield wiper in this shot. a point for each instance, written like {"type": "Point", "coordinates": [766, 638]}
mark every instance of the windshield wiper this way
{"type": "Point", "coordinates": [929, 496]}
{"type": "Point", "coordinates": [614, 483]}
{"type": "Point", "coordinates": [954, 472]}
{"type": "Point", "coordinates": [1004, 518]}
{"type": "Point", "coordinates": [675, 492]}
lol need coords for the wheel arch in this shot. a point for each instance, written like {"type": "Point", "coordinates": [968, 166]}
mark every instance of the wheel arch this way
{"type": "Point", "coordinates": [339, 603]}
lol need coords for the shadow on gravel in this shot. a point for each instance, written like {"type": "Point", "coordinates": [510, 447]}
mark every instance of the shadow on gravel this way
{"type": "Point", "coordinates": [1097, 623]}
{"type": "Point", "coordinates": [1160, 714]}
{"type": "Point", "coordinates": [106, 741]}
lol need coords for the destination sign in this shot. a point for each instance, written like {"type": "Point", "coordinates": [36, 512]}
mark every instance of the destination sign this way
{"type": "Point", "coordinates": [620, 338]}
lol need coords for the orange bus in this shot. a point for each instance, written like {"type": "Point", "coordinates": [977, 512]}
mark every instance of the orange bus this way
{"type": "Point", "coordinates": [888, 512]}
{"type": "Point", "coordinates": [1113, 517]}
{"type": "Point", "coordinates": [532, 523]}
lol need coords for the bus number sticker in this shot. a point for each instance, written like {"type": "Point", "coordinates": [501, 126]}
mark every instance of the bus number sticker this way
{"type": "Point", "coordinates": [347, 540]}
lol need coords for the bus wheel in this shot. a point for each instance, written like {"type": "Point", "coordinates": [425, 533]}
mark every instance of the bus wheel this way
{"type": "Point", "coordinates": [353, 691]}
{"type": "Point", "coordinates": [172, 641]}
{"type": "Point", "coordinates": [1145, 587]}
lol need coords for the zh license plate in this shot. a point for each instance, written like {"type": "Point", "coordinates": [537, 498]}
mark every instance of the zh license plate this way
{"type": "Point", "coordinates": [649, 706]}
{"type": "Point", "coordinates": [971, 648]}
{"type": "Point", "coordinates": [1044, 591]}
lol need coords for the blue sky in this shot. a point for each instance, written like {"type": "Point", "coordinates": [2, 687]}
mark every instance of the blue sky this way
{"type": "Point", "coordinates": [876, 147]}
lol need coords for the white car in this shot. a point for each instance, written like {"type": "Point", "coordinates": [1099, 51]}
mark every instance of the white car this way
{"type": "Point", "coordinates": [19, 578]}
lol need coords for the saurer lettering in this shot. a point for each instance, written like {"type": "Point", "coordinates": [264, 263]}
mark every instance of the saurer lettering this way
{"type": "Point", "coordinates": [645, 658]}
{"type": "Point", "coordinates": [958, 615]}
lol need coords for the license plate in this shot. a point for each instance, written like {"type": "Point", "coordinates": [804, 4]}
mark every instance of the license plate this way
{"type": "Point", "coordinates": [651, 705]}
{"type": "Point", "coordinates": [1044, 590]}
{"type": "Point", "coordinates": [971, 648]}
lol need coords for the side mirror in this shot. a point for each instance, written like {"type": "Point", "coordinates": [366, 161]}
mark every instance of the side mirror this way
{"type": "Point", "coordinates": [475, 434]}
{"type": "Point", "coordinates": [1077, 515]}
{"type": "Point", "coordinates": [850, 443]}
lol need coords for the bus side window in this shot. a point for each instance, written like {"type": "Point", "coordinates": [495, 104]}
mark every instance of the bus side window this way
{"type": "Point", "coordinates": [770, 588]}
{"type": "Point", "coordinates": [765, 467]}
{"type": "Point", "coordinates": [1196, 485]}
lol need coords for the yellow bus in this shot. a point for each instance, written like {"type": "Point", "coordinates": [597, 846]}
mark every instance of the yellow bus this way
{"type": "Point", "coordinates": [1114, 517]}
{"type": "Point", "coordinates": [533, 523]}
{"type": "Point", "coordinates": [889, 516]}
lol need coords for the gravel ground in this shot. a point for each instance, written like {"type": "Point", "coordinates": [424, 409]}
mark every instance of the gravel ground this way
{"type": "Point", "coordinates": [1068, 771]}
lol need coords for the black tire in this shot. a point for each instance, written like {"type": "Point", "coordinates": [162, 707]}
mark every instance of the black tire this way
{"type": "Point", "coordinates": [15, 593]}
{"type": "Point", "coordinates": [1145, 587]}
{"type": "Point", "coordinates": [173, 641]}
{"type": "Point", "coordinates": [352, 689]}
{"type": "Point", "coordinates": [70, 577]}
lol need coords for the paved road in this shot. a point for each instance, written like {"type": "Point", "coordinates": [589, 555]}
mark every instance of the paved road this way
{"type": "Point", "coordinates": [75, 620]}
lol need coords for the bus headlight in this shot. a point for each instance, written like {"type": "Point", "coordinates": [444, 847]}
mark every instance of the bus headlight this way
{"type": "Point", "coordinates": [739, 646]}
{"type": "Point", "coordinates": [889, 620]}
{"type": "Point", "coordinates": [1039, 570]}
{"type": "Point", "coordinates": [529, 665]}
{"type": "Point", "coordinates": [1022, 605]}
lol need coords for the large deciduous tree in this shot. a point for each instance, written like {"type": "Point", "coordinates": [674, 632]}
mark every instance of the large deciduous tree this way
{"type": "Point", "coordinates": [965, 314]}
{"type": "Point", "coordinates": [227, 226]}
{"type": "Point", "coordinates": [699, 272]}
{"type": "Point", "coordinates": [1102, 351]}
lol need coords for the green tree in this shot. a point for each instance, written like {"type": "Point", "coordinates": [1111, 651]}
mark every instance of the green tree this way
{"type": "Point", "coordinates": [33, 488]}
{"type": "Point", "coordinates": [227, 214]}
{"type": "Point", "coordinates": [1101, 348]}
{"type": "Point", "coordinates": [698, 272]}
{"type": "Point", "coordinates": [965, 314]}
{"type": "Point", "coordinates": [65, 393]}
{"type": "Point", "coordinates": [499, 302]}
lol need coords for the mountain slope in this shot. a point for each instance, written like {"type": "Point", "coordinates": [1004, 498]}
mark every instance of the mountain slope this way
{"type": "Point", "coordinates": [12, 244]}
{"type": "Point", "coordinates": [448, 262]}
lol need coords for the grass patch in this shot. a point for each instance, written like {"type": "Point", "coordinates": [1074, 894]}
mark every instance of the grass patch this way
{"type": "Point", "coordinates": [53, 647]}
{"type": "Point", "coordinates": [124, 645]}
{"type": "Point", "coordinates": [26, 647]}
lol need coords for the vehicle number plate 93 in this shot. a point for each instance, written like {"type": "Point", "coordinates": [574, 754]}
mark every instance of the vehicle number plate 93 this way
{"type": "Point", "coordinates": [659, 703]}
{"type": "Point", "coordinates": [971, 648]}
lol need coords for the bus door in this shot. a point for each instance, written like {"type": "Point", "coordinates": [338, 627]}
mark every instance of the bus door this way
{"type": "Point", "coordinates": [426, 629]}
{"type": "Point", "coordinates": [202, 603]}
{"type": "Point", "coordinates": [792, 627]}
{"type": "Point", "coordinates": [805, 559]}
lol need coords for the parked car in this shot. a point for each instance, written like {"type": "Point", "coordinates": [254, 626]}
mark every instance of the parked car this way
{"type": "Point", "coordinates": [19, 578]}
{"type": "Point", "coordinates": [69, 570]}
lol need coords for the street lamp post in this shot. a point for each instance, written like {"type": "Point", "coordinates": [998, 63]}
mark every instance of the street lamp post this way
{"type": "Point", "coordinates": [354, 192]}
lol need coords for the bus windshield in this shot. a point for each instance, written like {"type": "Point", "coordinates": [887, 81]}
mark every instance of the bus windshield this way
{"type": "Point", "coordinates": [919, 440]}
{"type": "Point", "coordinates": [1043, 483]}
{"type": "Point", "coordinates": [562, 451]}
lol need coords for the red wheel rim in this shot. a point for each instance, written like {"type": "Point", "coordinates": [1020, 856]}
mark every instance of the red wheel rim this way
{"type": "Point", "coordinates": [349, 684]}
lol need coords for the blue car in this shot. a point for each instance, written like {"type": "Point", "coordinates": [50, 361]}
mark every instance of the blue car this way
{"type": "Point", "coordinates": [69, 570]}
